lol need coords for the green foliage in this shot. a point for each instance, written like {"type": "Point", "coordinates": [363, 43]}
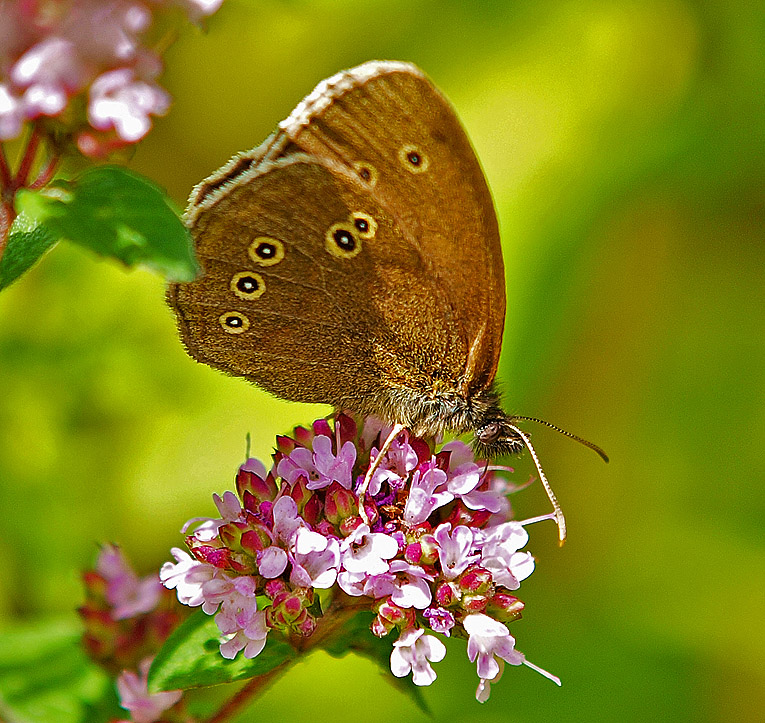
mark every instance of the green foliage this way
{"type": "Point", "coordinates": [109, 210]}
{"type": "Point", "coordinates": [28, 241]}
{"type": "Point", "coordinates": [190, 658]}
{"type": "Point", "coordinates": [45, 677]}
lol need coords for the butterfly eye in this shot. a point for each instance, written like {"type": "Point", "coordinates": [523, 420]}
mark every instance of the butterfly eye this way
{"type": "Point", "coordinates": [343, 241]}
{"type": "Point", "coordinates": [266, 251]}
{"type": "Point", "coordinates": [234, 323]}
{"type": "Point", "coordinates": [365, 225]}
{"type": "Point", "coordinates": [366, 172]}
{"type": "Point", "coordinates": [413, 159]}
{"type": "Point", "coordinates": [248, 285]}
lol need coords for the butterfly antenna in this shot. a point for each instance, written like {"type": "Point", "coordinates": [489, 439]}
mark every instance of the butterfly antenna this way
{"type": "Point", "coordinates": [559, 518]}
{"type": "Point", "coordinates": [593, 447]}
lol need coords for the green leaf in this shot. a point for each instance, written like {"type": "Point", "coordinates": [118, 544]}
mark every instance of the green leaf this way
{"type": "Point", "coordinates": [27, 242]}
{"type": "Point", "coordinates": [117, 214]}
{"type": "Point", "coordinates": [356, 637]}
{"type": "Point", "coordinates": [45, 677]}
{"type": "Point", "coordinates": [190, 658]}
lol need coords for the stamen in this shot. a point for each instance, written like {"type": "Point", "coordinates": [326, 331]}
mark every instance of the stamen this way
{"type": "Point", "coordinates": [555, 679]}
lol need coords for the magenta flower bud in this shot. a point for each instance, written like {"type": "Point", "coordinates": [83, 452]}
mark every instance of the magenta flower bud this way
{"type": "Point", "coordinates": [304, 436]}
{"type": "Point", "coordinates": [474, 603]}
{"type": "Point", "coordinates": [339, 504]}
{"type": "Point", "coordinates": [261, 489]}
{"type": "Point", "coordinates": [392, 612]}
{"type": "Point", "coordinates": [326, 528]}
{"type": "Point", "coordinates": [312, 510]}
{"type": "Point", "coordinates": [275, 587]}
{"type": "Point", "coordinates": [349, 524]}
{"type": "Point", "coordinates": [445, 594]}
{"type": "Point", "coordinates": [256, 539]}
{"type": "Point", "coordinates": [381, 627]}
{"type": "Point", "coordinates": [300, 493]}
{"type": "Point", "coordinates": [421, 449]}
{"type": "Point", "coordinates": [504, 607]}
{"type": "Point", "coordinates": [285, 445]}
{"type": "Point", "coordinates": [219, 557]}
{"type": "Point", "coordinates": [306, 625]}
{"type": "Point", "coordinates": [413, 553]}
{"type": "Point", "coordinates": [321, 428]}
{"type": "Point", "coordinates": [348, 429]}
{"type": "Point", "coordinates": [429, 549]}
{"type": "Point", "coordinates": [475, 580]}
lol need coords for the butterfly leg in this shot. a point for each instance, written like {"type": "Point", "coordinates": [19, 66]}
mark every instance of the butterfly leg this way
{"type": "Point", "coordinates": [373, 465]}
{"type": "Point", "coordinates": [557, 511]}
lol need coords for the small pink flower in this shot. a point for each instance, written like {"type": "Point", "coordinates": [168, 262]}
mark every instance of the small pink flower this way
{"type": "Point", "coordinates": [454, 550]}
{"type": "Point", "coordinates": [315, 560]}
{"type": "Point", "coordinates": [129, 594]}
{"type": "Point", "coordinates": [411, 585]}
{"type": "Point", "coordinates": [423, 498]}
{"type": "Point", "coordinates": [229, 509]}
{"type": "Point", "coordinates": [501, 557]}
{"type": "Point", "coordinates": [395, 467]}
{"type": "Point", "coordinates": [414, 651]}
{"type": "Point", "coordinates": [489, 640]}
{"type": "Point", "coordinates": [368, 552]}
{"type": "Point", "coordinates": [135, 697]}
{"type": "Point", "coordinates": [332, 468]}
{"type": "Point", "coordinates": [196, 583]}
{"type": "Point", "coordinates": [119, 100]}
{"type": "Point", "coordinates": [272, 562]}
{"type": "Point", "coordinates": [440, 620]}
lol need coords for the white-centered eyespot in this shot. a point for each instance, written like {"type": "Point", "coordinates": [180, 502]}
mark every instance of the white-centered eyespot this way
{"type": "Point", "coordinates": [234, 323]}
{"type": "Point", "coordinates": [366, 172]}
{"type": "Point", "coordinates": [413, 159]}
{"type": "Point", "coordinates": [248, 285]}
{"type": "Point", "coordinates": [365, 225]}
{"type": "Point", "coordinates": [266, 251]}
{"type": "Point", "coordinates": [342, 240]}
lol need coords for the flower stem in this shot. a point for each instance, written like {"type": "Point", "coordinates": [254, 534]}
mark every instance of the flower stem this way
{"type": "Point", "coordinates": [27, 160]}
{"type": "Point", "coordinates": [5, 172]}
{"type": "Point", "coordinates": [254, 687]}
{"type": "Point", "coordinates": [46, 173]}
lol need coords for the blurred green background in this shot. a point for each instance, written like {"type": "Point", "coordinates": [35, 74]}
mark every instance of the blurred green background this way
{"type": "Point", "coordinates": [624, 144]}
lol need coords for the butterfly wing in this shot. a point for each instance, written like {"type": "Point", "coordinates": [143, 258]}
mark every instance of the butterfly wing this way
{"type": "Point", "coordinates": [382, 286]}
{"type": "Point", "coordinates": [311, 320]}
{"type": "Point", "coordinates": [388, 123]}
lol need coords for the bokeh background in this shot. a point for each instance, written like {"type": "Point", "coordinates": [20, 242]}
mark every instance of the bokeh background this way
{"type": "Point", "coordinates": [623, 142]}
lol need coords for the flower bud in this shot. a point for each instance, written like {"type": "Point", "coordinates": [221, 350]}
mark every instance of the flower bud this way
{"type": "Point", "coordinates": [261, 489]}
{"type": "Point", "coordinates": [274, 587]}
{"type": "Point", "coordinates": [339, 504]}
{"type": "Point", "coordinates": [256, 539]}
{"type": "Point", "coordinates": [348, 429]}
{"type": "Point", "coordinates": [445, 594]}
{"type": "Point", "coordinates": [475, 580]}
{"type": "Point", "coordinates": [349, 524]}
{"type": "Point", "coordinates": [504, 607]}
{"type": "Point", "coordinates": [321, 428]}
{"type": "Point", "coordinates": [474, 603]}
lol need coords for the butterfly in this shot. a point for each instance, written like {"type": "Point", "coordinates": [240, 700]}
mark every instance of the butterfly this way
{"type": "Point", "coordinates": [354, 259]}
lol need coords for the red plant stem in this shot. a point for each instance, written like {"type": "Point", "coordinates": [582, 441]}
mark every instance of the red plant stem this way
{"type": "Point", "coordinates": [5, 172]}
{"type": "Point", "coordinates": [248, 691]}
{"type": "Point", "coordinates": [46, 173]}
{"type": "Point", "coordinates": [27, 160]}
{"type": "Point", "coordinates": [7, 214]}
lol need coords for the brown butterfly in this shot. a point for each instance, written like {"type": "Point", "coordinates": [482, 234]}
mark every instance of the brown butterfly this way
{"type": "Point", "coordinates": [354, 259]}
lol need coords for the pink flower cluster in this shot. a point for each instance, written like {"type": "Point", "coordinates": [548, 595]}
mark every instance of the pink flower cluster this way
{"type": "Point", "coordinates": [442, 553]}
{"type": "Point", "coordinates": [55, 51]}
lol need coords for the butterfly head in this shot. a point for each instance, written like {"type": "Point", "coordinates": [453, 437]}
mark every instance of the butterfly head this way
{"type": "Point", "coordinates": [496, 436]}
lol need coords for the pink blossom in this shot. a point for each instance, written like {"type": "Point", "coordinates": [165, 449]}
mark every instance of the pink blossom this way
{"type": "Point", "coordinates": [332, 468]}
{"type": "Point", "coordinates": [272, 562]}
{"type": "Point", "coordinates": [368, 552]}
{"type": "Point", "coordinates": [440, 620]}
{"type": "Point", "coordinates": [251, 639]}
{"type": "Point", "coordinates": [414, 651]}
{"type": "Point", "coordinates": [423, 498]}
{"type": "Point", "coordinates": [315, 560]}
{"type": "Point", "coordinates": [229, 509]}
{"type": "Point", "coordinates": [286, 519]}
{"type": "Point", "coordinates": [454, 550]}
{"type": "Point", "coordinates": [501, 557]}
{"type": "Point", "coordinates": [134, 695]}
{"type": "Point", "coordinates": [11, 113]}
{"type": "Point", "coordinates": [120, 100]}
{"type": "Point", "coordinates": [395, 467]}
{"type": "Point", "coordinates": [125, 591]}
{"type": "Point", "coordinates": [196, 583]}
{"type": "Point", "coordinates": [411, 585]}
{"type": "Point", "coordinates": [489, 640]}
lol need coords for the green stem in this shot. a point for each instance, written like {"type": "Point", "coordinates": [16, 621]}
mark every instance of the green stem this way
{"type": "Point", "coordinates": [250, 690]}
{"type": "Point", "coordinates": [27, 160]}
